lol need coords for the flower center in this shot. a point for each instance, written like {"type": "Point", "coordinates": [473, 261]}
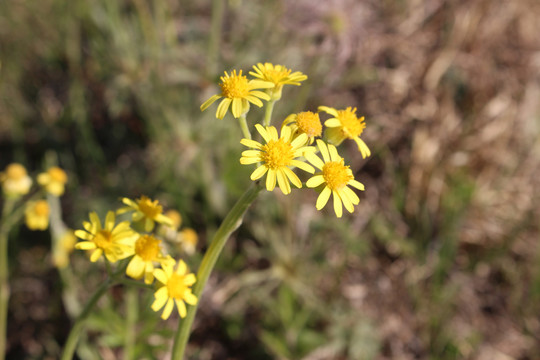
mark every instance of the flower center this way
{"type": "Point", "coordinates": [42, 208]}
{"type": "Point", "coordinates": [234, 86]}
{"type": "Point", "coordinates": [147, 247]}
{"type": "Point", "coordinates": [58, 175]}
{"type": "Point", "coordinates": [309, 123]}
{"type": "Point", "coordinates": [149, 208]}
{"type": "Point", "coordinates": [276, 154]}
{"type": "Point", "coordinates": [176, 286]}
{"type": "Point", "coordinates": [336, 175]}
{"type": "Point", "coordinates": [277, 74]}
{"type": "Point", "coordinates": [103, 239]}
{"type": "Point", "coordinates": [351, 125]}
{"type": "Point", "coordinates": [15, 172]}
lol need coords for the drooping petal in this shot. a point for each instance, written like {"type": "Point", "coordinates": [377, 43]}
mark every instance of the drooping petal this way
{"type": "Point", "coordinates": [362, 147]}
{"type": "Point", "coordinates": [283, 182]}
{"type": "Point", "coordinates": [271, 180]}
{"type": "Point", "coordinates": [135, 267]}
{"type": "Point", "coordinates": [161, 297]}
{"type": "Point", "coordinates": [168, 309]}
{"type": "Point", "coordinates": [181, 308]}
{"type": "Point", "coordinates": [292, 177]}
{"type": "Point", "coordinates": [96, 255]}
{"type": "Point", "coordinates": [237, 107]}
{"type": "Point", "coordinates": [209, 102]}
{"type": "Point", "coordinates": [333, 122]}
{"type": "Point", "coordinates": [329, 110]}
{"type": "Point", "coordinates": [337, 204]}
{"type": "Point", "coordinates": [254, 100]}
{"type": "Point", "coordinates": [351, 195]}
{"type": "Point", "coordinates": [345, 200]}
{"type": "Point", "coordinates": [222, 108]}
{"type": "Point", "coordinates": [323, 198]}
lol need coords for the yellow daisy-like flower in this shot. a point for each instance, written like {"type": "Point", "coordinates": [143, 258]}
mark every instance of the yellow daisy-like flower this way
{"type": "Point", "coordinates": [345, 125]}
{"type": "Point", "coordinates": [62, 248]}
{"type": "Point", "coordinates": [113, 240]}
{"type": "Point", "coordinates": [306, 122]}
{"type": "Point", "coordinates": [146, 210]}
{"type": "Point", "coordinates": [335, 176]}
{"type": "Point", "coordinates": [278, 75]}
{"type": "Point", "coordinates": [37, 215]}
{"type": "Point", "coordinates": [175, 288]}
{"type": "Point", "coordinates": [147, 252]}
{"type": "Point", "coordinates": [175, 217]}
{"type": "Point", "coordinates": [15, 180]}
{"type": "Point", "coordinates": [276, 156]}
{"type": "Point", "coordinates": [237, 90]}
{"type": "Point", "coordinates": [54, 181]}
{"type": "Point", "coordinates": [188, 239]}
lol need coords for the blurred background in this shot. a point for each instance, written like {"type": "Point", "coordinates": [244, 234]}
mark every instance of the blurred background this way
{"type": "Point", "coordinates": [439, 261]}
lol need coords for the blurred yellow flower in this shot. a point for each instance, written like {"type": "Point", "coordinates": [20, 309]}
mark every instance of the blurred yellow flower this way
{"type": "Point", "coordinates": [147, 252]}
{"type": "Point", "coordinates": [54, 181]}
{"type": "Point", "coordinates": [278, 75]}
{"type": "Point", "coordinates": [345, 125]}
{"type": "Point", "coordinates": [238, 91]}
{"type": "Point", "coordinates": [15, 180]}
{"type": "Point", "coordinates": [276, 156]}
{"type": "Point", "coordinates": [305, 122]}
{"type": "Point", "coordinates": [113, 240]}
{"type": "Point", "coordinates": [145, 210]}
{"type": "Point", "coordinates": [188, 239]}
{"type": "Point", "coordinates": [37, 215]}
{"type": "Point", "coordinates": [175, 217]}
{"type": "Point", "coordinates": [335, 176]}
{"type": "Point", "coordinates": [63, 248]}
{"type": "Point", "coordinates": [175, 288]}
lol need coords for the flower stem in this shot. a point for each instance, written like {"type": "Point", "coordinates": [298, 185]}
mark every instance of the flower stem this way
{"type": "Point", "coordinates": [131, 320]}
{"type": "Point", "coordinates": [231, 222]}
{"type": "Point", "coordinates": [243, 125]}
{"type": "Point", "coordinates": [268, 112]}
{"type": "Point", "coordinates": [73, 337]}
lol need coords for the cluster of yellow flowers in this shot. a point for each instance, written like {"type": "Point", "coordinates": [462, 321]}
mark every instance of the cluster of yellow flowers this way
{"type": "Point", "coordinates": [278, 154]}
{"type": "Point", "coordinates": [137, 240]}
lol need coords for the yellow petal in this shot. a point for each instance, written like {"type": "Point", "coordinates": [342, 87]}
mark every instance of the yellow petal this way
{"type": "Point", "coordinates": [85, 245]}
{"type": "Point", "coordinates": [209, 102]}
{"type": "Point", "coordinates": [168, 309]}
{"type": "Point", "coordinates": [323, 198]}
{"type": "Point", "coordinates": [302, 165]}
{"type": "Point", "coordinates": [283, 182]}
{"type": "Point", "coordinates": [161, 276]}
{"type": "Point", "coordinates": [237, 107]}
{"type": "Point", "coordinates": [324, 150]}
{"type": "Point", "coordinates": [332, 123]}
{"type": "Point", "coordinates": [96, 255]}
{"type": "Point", "coordinates": [181, 308]}
{"type": "Point", "coordinates": [315, 181]}
{"type": "Point", "coordinates": [251, 143]}
{"type": "Point", "coordinates": [292, 177]}
{"type": "Point", "coordinates": [222, 108]}
{"type": "Point", "coordinates": [258, 173]}
{"type": "Point", "coordinates": [271, 180]}
{"type": "Point", "coordinates": [337, 204]}
{"type": "Point", "coordinates": [135, 268]}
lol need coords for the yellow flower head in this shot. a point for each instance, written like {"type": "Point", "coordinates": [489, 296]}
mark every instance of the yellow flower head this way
{"type": "Point", "coordinates": [305, 122]}
{"type": "Point", "coordinates": [335, 176]}
{"type": "Point", "coordinates": [113, 240]}
{"type": "Point", "coordinates": [175, 288]}
{"type": "Point", "coordinates": [175, 217]}
{"type": "Point", "coordinates": [54, 181]}
{"type": "Point", "coordinates": [147, 211]}
{"type": "Point", "coordinates": [237, 90]}
{"type": "Point", "coordinates": [37, 215]}
{"type": "Point", "coordinates": [62, 248]}
{"type": "Point", "coordinates": [188, 239]}
{"type": "Point", "coordinates": [276, 156]}
{"type": "Point", "coordinates": [15, 181]}
{"type": "Point", "coordinates": [345, 125]}
{"type": "Point", "coordinates": [147, 252]}
{"type": "Point", "coordinates": [278, 75]}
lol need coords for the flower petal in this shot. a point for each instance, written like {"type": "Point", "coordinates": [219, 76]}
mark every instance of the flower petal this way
{"type": "Point", "coordinates": [222, 108]}
{"type": "Point", "coordinates": [292, 177]}
{"type": "Point", "coordinates": [251, 143]}
{"type": "Point", "coordinates": [324, 150]}
{"type": "Point", "coordinates": [135, 268]}
{"type": "Point", "coordinates": [328, 110]}
{"type": "Point", "coordinates": [209, 102]}
{"type": "Point", "coordinates": [283, 183]}
{"type": "Point", "coordinates": [237, 107]}
{"type": "Point", "coordinates": [315, 181]}
{"type": "Point", "coordinates": [258, 173]}
{"type": "Point", "coordinates": [337, 204]}
{"type": "Point", "coordinates": [168, 309]}
{"type": "Point", "coordinates": [271, 180]}
{"type": "Point", "coordinates": [181, 308]}
{"type": "Point", "coordinates": [302, 165]}
{"type": "Point", "coordinates": [323, 198]}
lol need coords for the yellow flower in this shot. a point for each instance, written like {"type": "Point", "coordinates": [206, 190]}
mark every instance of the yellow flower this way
{"type": "Point", "coordinates": [115, 241]}
{"type": "Point", "coordinates": [276, 156]}
{"type": "Point", "coordinates": [305, 122]}
{"type": "Point", "coordinates": [146, 210]}
{"type": "Point", "coordinates": [345, 125]}
{"type": "Point", "coordinates": [175, 217]}
{"type": "Point", "coordinates": [147, 252]}
{"type": "Point", "coordinates": [278, 75]}
{"type": "Point", "coordinates": [15, 181]}
{"type": "Point", "coordinates": [53, 180]}
{"type": "Point", "coordinates": [175, 288]}
{"type": "Point", "coordinates": [238, 91]}
{"type": "Point", "coordinates": [335, 176]}
{"type": "Point", "coordinates": [37, 215]}
{"type": "Point", "coordinates": [63, 248]}
{"type": "Point", "coordinates": [188, 240]}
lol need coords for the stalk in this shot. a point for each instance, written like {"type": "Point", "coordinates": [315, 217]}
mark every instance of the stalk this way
{"type": "Point", "coordinates": [231, 222]}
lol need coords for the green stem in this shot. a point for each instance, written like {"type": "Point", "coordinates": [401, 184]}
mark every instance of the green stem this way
{"type": "Point", "coordinates": [131, 321]}
{"type": "Point", "coordinates": [231, 222]}
{"type": "Point", "coordinates": [73, 337]}
{"type": "Point", "coordinates": [268, 112]}
{"type": "Point", "coordinates": [243, 125]}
